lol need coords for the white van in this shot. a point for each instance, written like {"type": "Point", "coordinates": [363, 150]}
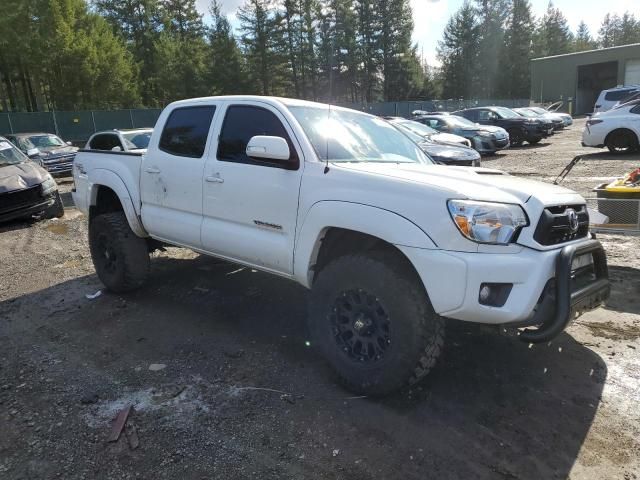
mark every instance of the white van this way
{"type": "Point", "coordinates": [611, 97]}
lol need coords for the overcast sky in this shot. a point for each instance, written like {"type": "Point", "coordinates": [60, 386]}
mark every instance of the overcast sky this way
{"type": "Point", "coordinates": [431, 16]}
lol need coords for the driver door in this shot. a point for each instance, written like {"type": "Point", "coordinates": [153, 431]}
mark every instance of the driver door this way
{"type": "Point", "coordinates": [250, 207]}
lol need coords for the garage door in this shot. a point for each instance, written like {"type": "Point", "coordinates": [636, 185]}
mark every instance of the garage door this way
{"type": "Point", "coordinates": [632, 72]}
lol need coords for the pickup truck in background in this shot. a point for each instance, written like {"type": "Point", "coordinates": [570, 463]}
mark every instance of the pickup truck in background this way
{"type": "Point", "coordinates": [390, 244]}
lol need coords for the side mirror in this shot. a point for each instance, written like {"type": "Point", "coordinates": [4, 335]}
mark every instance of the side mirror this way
{"type": "Point", "coordinates": [33, 152]}
{"type": "Point", "coordinates": [268, 148]}
{"type": "Point", "coordinates": [116, 149]}
{"type": "Point", "coordinates": [69, 143]}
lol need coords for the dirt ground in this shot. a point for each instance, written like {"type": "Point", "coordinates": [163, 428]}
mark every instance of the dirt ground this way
{"type": "Point", "coordinates": [215, 360]}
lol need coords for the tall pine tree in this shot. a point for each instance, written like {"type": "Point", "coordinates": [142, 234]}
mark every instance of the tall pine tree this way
{"type": "Point", "coordinates": [516, 52]}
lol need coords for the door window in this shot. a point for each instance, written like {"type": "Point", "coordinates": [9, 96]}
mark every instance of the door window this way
{"type": "Point", "coordinates": [243, 122]}
{"type": "Point", "coordinates": [186, 130]}
{"type": "Point", "coordinates": [636, 110]}
{"type": "Point", "coordinates": [487, 116]}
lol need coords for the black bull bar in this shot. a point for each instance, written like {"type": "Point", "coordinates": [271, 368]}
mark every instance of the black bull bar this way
{"type": "Point", "coordinates": [558, 308]}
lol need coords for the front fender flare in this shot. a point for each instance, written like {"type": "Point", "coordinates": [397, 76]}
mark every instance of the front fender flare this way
{"type": "Point", "coordinates": [101, 177]}
{"type": "Point", "coordinates": [374, 221]}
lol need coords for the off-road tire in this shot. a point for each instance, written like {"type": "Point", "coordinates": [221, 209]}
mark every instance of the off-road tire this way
{"type": "Point", "coordinates": [622, 141]}
{"type": "Point", "coordinates": [56, 210]}
{"type": "Point", "coordinates": [121, 258]}
{"type": "Point", "coordinates": [516, 138]}
{"type": "Point", "coordinates": [416, 333]}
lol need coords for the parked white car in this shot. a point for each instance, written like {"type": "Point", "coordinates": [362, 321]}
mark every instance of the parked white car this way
{"type": "Point", "coordinates": [614, 96]}
{"type": "Point", "coordinates": [617, 129]}
{"type": "Point", "coordinates": [131, 140]}
{"type": "Point", "coordinates": [390, 244]}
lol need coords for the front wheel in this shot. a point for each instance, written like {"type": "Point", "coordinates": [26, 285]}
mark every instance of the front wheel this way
{"type": "Point", "coordinates": [373, 321]}
{"type": "Point", "coordinates": [516, 138]}
{"type": "Point", "coordinates": [121, 258]}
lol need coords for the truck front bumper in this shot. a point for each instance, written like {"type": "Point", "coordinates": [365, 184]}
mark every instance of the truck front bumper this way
{"type": "Point", "coordinates": [545, 290]}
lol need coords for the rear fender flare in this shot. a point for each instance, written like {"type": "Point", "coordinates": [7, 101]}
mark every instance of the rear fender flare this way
{"type": "Point", "coordinates": [106, 178]}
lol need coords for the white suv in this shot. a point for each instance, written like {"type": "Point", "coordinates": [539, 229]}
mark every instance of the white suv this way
{"type": "Point", "coordinates": [617, 129]}
{"type": "Point", "coordinates": [614, 96]}
{"type": "Point", "coordinates": [134, 140]}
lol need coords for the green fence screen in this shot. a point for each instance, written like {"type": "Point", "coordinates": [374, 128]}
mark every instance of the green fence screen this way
{"type": "Point", "coordinates": [77, 127]}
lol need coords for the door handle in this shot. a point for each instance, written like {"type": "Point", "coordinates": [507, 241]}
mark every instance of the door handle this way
{"type": "Point", "coordinates": [214, 178]}
{"type": "Point", "coordinates": [152, 170]}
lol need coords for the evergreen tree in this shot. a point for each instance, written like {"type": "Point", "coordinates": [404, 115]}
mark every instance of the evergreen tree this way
{"type": "Point", "coordinates": [400, 66]}
{"type": "Point", "coordinates": [516, 52]}
{"type": "Point", "coordinates": [139, 23]}
{"type": "Point", "coordinates": [583, 40]}
{"type": "Point", "coordinates": [226, 73]}
{"type": "Point", "coordinates": [458, 54]}
{"type": "Point", "coordinates": [629, 30]}
{"type": "Point", "coordinates": [553, 36]}
{"type": "Point", "coordinates": [493, 15]}
{"type": "Point", "coordinates": [609, 31]}
{"type": "Point", "coordinates": [261, 33]}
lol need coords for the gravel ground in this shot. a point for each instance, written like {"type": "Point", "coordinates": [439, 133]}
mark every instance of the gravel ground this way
{"type": "Point", "coordinates": [215, 361]}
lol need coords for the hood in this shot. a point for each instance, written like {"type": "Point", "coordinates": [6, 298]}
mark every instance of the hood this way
{"type": "Point", "coordinates": [472, 183]}
{"type": "Point", "coordinates": [489, 128]}
{"type": "Point", "coordinates": [20, 176]}
{"type": "Point", "coordinates": [448, 138]}
{"type": "Point", "coordinates": [50, 151]}
{"type": "Point", "coordinates": [450, 152]}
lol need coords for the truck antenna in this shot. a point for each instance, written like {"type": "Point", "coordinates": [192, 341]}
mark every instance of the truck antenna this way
{"type": "Point", "coordinates": [326, 165]}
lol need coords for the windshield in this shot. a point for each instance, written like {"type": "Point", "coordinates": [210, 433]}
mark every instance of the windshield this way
{"type": "Point", "coordinates": [460, 122]}
{"type": "Point", "coordinates": [526, 113]}
{"type": "Point", "coordinates": [137, 139]}
{"type": "Point", "coordinates": [45, 141]}
{"type": "Point", "coordinates": [505, 112]}
{"type": "Point", "coordinates": [348, 136]}
{"type": "Point", "coordinates": [10, 155]}
{"type": "Point", "coordinates": [539, 110]}
{"type": "Point", "coordinates": [417, 128]}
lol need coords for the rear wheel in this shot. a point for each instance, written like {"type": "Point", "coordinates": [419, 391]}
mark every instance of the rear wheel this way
{"type": "Point", "coordinates": [515, 137]}
{"type": "Point", "coordinates": [622, 141]}
{"type": "Point", "coordinates": [373, 321]}
{"type": "Point", "coordinates": [120, 257]}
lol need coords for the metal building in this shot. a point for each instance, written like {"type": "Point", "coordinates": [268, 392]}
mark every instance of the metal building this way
{"type": "Point", "coordinates": [578, 78]}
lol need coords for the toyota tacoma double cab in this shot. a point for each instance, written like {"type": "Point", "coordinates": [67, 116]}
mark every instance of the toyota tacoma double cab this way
{"type": "Point", "coordinates": [390, 244]}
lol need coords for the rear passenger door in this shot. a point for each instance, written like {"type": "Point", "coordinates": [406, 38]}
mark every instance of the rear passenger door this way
{"type": "Point", "coordinates": [171, 175]}
{"type": "Point", "coordinates": [250, 206]}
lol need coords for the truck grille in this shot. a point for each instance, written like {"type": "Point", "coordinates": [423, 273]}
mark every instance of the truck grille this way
{"type": "Point", "coordinates": [555, 224]}
{"type": "Point", "coordinates": [20, 198]}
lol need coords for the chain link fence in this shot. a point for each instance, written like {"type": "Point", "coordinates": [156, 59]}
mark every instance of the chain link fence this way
{"type": "Point", "coordinates": [78, 126]}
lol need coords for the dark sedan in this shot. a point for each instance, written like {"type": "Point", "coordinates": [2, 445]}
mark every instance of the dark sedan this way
{"type": "Point", "coordinates": [486, 139]}
{"type": "Point", "coordinates": [520, 129]}
{"type": "Point", "coordinates": [447, 154]}
{"type": "Point", "coordinates": [26, 189]}
{"type": "Point", "coordinates": [46, 149]}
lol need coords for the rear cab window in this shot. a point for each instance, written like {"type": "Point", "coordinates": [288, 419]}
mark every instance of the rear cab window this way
{"type": "Point", "coordinates": [186, 131]}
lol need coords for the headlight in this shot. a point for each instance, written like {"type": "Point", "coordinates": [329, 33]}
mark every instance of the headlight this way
{"type": "Point", "coordinates": [48, 186]}
{"type": "Point", "coordinates": [485, 134]}
{"type": "Point", "coordinates": [531, 122]}
{"type": "Point", "coordinates": [487, 222]}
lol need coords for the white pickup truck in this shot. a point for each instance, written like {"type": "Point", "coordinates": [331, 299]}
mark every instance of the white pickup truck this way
{"type": "Point", "coordinates": [390, 244]}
